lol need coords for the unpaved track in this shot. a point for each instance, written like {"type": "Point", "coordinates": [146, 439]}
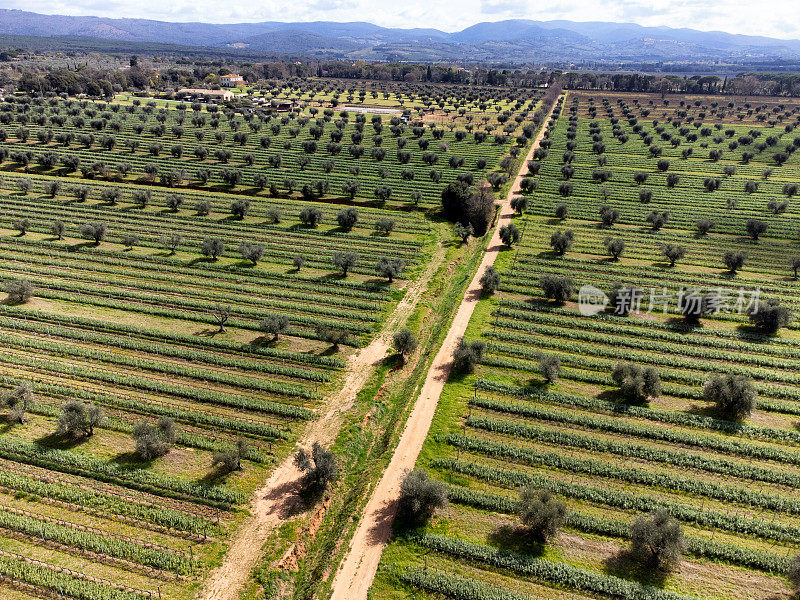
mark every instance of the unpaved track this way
{"type": "Point", "coordinates": [355, 576]}
{"type": "Point", "coordinates": [277, 499]}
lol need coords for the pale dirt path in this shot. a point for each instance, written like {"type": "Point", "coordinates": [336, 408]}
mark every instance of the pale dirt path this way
{"type": "Point", "coordinates": [357, 571]}
{"type": "Point", "coordinates": [275, 500]}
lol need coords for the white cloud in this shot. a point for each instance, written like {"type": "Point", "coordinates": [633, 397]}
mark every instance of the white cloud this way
{"type": "Point", "coordinates": [778, 18]}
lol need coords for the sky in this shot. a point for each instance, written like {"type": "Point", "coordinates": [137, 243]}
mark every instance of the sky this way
{"type": "Point", "coordinates": [774, 18]}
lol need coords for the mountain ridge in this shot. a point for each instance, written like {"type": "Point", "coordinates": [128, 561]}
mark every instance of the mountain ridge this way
{"type": "Point", "coordinates": [516, 40]}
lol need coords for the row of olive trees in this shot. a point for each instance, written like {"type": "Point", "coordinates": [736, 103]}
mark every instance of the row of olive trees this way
{"type": "Point", "coordinates": [78, 420]}
{"type": "Point", "coordinates": [657, 539]}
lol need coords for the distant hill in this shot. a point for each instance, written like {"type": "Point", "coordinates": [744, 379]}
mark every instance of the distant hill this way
{"type": "Point", "coordinates": [514, 41]}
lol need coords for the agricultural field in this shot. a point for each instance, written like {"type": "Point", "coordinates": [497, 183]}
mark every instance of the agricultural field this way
{"type": "Point", "coordinates": [199, 277]}
{"type": "Point", "coordinates": [665, 200]}
{"type": "Point", "coordinates": [320, 153]}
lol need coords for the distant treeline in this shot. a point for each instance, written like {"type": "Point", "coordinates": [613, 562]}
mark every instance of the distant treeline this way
{"type": "Point", "coordinates": [746, 84]}
{"type": "Point", "coordinates": [42, 77]}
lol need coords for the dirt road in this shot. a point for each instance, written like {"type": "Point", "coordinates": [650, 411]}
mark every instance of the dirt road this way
{"type": "Point", "coordinates": [358, 569]}
{"type": "Point", "coordinates": [276, 499]}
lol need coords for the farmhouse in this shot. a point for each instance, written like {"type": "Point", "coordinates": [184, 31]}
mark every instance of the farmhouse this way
{"type": "Point", "coordinates": [231, 80]}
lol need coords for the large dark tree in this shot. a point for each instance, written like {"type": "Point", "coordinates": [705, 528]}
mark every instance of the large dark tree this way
{"type": "Point", "coordinates": [734, 260]}
{"type": "Point", "coordinates": [212, 247]}
{"type": "Point", "coordinates": [319, 467]}
{"type": "Point", "coordinates": [404, 343]}
{"type": "Point", "coordinates": [755, 228]}
{"type": "Point", "coordinates": [420, 498]}
{"type": "Point", "coordinates": [636, 383]}
{"type": "Point", "coordinates": [345, 261]}
{"type": "Point", "coordinates": [541, 513]}
{"type": "Point", "coordinates": [347, 218]}
{"type": "Point", "coordinates": [490, 280]}
{"type": "Point", "coordinates": [78, 419]}
{"type": "Point", "coordinates": [19, 401]}
{"type": "Point", "coordinates": [467, 355]}
{"type": "Point", "coordinates": [274, 325]}
{"type": "Point", "coordinates": [657, 540]}
{"type": "Point", "coordinates": [734, 395]}
{"type": "Point", "coordinates": [768, 316]}
{"type": "Point", "coordinates": [556, 288]}
{"type": "Point", "coordinates": [561, 241]}
{"type": "Point", "coordinates": [19, 290]}
{"type": "Point", "coordinates": [156, 440]}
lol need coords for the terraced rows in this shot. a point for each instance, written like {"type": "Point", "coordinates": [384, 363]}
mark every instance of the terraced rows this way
{"type": "Point", "coordinates": [731, 485]}
{"type": "Point", "coordinates": [258, 144]}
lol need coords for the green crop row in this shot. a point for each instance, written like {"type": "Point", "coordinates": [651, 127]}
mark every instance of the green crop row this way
{"type": "Point", "coordinates": [641, 476]}
{"type": "Point", "coordinates": [160, 516]}
{"type": "Point", "coordinates": [774, 434]}
{"type": "Point", "coordinates": [560, 574]}
{"type": "Point", "coordinates": [86, 324]}
{"type": "Point", "coordinates": [684, 438]}
{"type": "Point", "coordinates": [747, 557]}
{"type": "Point", "coordinates": [61, 583]}
{"type": "Point", "coordinates": [19, 450]}
{"type": "Point", "coordinates": [92, 542]}
{"type": "Point", "coordinates": [628, 501]}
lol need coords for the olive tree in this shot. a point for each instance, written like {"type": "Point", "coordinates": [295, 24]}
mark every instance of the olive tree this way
{"type": "Point", "coordinates": [251, 252]}
{"type": "Point", "coordinates": [490, 280]}
{"type": "Point", "coordinates": [311, 217]}
{"type": "Point", "coordinates": [636, 383]}
{"type": "Point", "coordinates": [467, 355]}
{"type": "Point", "coordinates": [657, 540]}
{"type": "Point", "coordinates": [420, 498]}
{"type": "Point", "coordinates": [389, 267]}
{"type": "Point", "coordinates": [755, 228]}
{"type": "Point", "coordinates": [231, 460]}
{"type": "Point", "coordinates": [171, 241]}
{"type": "Point", "coordinates": [212, 247]}
{"type": "Point", "coordinates": [463, 231]}
{"type": "Point", "coordinates": [673, 253]}
{"type": "Point", "coordinates": [541, 513]}
{"type": "Point", "coordinates": [332, 335]}
{"type": "Point", "coordinates": [78, 419]}
{"type": "Point", "coordinates": [93, 230]}
{"type": "Point", "coordinates": [556, 288]}
{"type": "Point", "coordinates": [615, 247]}
{"type": "Point", "coordinates": [734, 395]}
{"type": "Point", "coordinates": [734, 260]}
{"type": "Point", "coordinates": [384, 226]}
{"type": "Point", "coordinates": [561, 241]}
{"type": "Point", "coordinates": [19, 290]}
{"type": "Point", "coordinates": [274, 325]}
{"type": "Point", "coordinates": [509, 234]}
{"type": "Point", "coordinates": [221, 313]}
{"type": "Point", "coordinates": [240, 207]}
{"type": "Point", "coordinates": [18, 401]}
{"type": "Point", "coordinates": [404, 343]}
{"type": "Point", "coordinates": [347, 218]}
{"type": "Point", "coordinates": [57, 229]}
{"type": "Point", "coordinates": [344, 261]}
{"type": "Point", "coordinates": [703, 226]}
{"type": "Point", "coordinates": [319, 467]}
{"type": "Point", "coordinates": [549, 367]}
{"type": "Point", "coordinates": [153, 441]}
{"type": "Point", "coordinates": [768, 316]}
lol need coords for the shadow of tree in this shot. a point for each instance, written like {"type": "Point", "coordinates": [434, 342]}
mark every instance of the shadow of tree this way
{"type": "Point", "coordinates": [515, 538]}
{"type": "Point", "coordinates": [624, 564]}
